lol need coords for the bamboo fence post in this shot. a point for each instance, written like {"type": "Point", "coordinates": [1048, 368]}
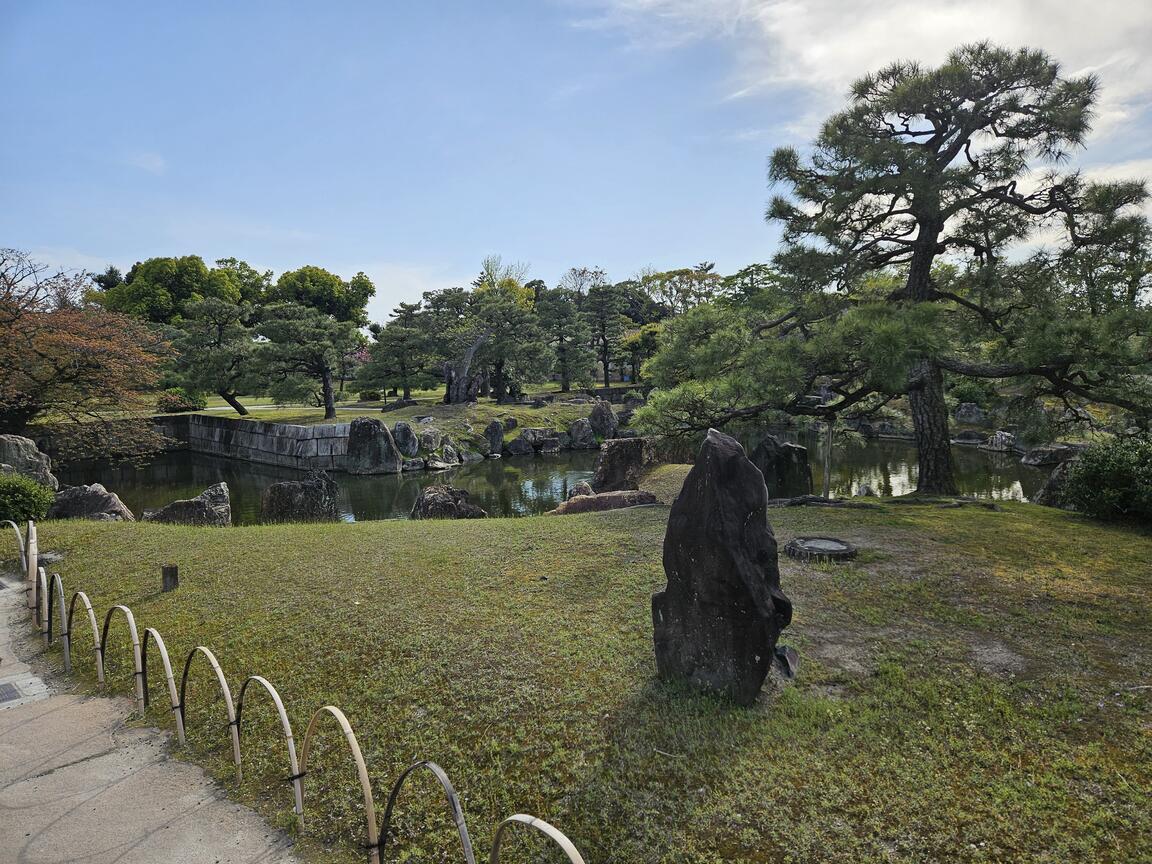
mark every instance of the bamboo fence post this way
{"type": "Point", "coordinates": [97, 647]}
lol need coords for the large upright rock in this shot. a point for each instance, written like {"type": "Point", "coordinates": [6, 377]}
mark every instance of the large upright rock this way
{"type": "Point", "coordinates": [1054, 491]}
{"type": "Point", "coordinates": [89, 502]}
{"type": "Point", "coordinates": [445, 502]}
{"type": "Point", "coordinates": [603, 419]}
{"type": "Point", "coordinates": [716, 624]}
{"type": "Point", "coordinates": [581, 436]}
{"type": "Point", "coordinates": [371, 449]}
{"type": "Point", "coordinates": [212, 507]}
{"type": "Point", "coordinates": [494, 435]}
{"type": "Point", "coordinates": [621, 463]}
{"type": "Point", "coordinates": [784, 466]}
{"type": "Point", "coordinates": [313, 499]}
{"type": "Point", "coordinates": [23, 457]}
{"type": "Point", "coordinates": [405, 438]}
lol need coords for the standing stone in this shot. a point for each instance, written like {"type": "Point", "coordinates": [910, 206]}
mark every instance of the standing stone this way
{"type": "Point", "coordinates": [445, 502]}
{"type": "Point", "coordinates": [621, 463]}
{"type": "Point", "coordinates": [313, 499]}
{"type": "Point", "coordinates": [212, 507]}
{"type": "Point", "coordinates": [603, 419]}
{"type": "Point", "coordinates": [717, 622]}
{"type": "Point", "coordinates": [371, 449]}
{"type": "Point", "coordinates": [406, 441]}
{"type": "Point", "coordinates": [581, 435]}
{"type": "Point", "coordinates": [784, 466]}
{"type": "Point", "coordinates": [494, 435]}
{"type": "Point", "coordinates": [89, 502]}
{"type": "Point", "coordinates": [430, 440]}
{"type": "Point", "coordinates": [23, 457]}
{"type": "Point", "coordinates": [1053, 492]}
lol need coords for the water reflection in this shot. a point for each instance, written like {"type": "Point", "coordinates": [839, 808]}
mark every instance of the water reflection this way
{"type": "Point", "coordinates": [527, 485]}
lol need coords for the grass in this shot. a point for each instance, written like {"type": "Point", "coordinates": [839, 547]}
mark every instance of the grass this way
{"type": "Point", "coordinates": [972, 689]}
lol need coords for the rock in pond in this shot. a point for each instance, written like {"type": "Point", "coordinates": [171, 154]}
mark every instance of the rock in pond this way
{"type": "Point", "coordinates": [89, 502]}
{"type": "Point", "coordinates": [581, 487]}
{"type": "Point", "coordinates": [581, 436]}
{"type": "Point", "coordinates": [494, 435]}
{"type": "Point", "coordinates": [406, 441]}
{"type": "Point", "coordinates": [621, 463]}
{"type": "Point", "coordinates": [519, 447]}
{"type": "Point", "coordinates": [604, 501]}
{"type": "Point", "coordinates": [22, 456]}
{"type": "Point", "coordinates": [445, 502]}
{"type": "Point", "coordinates": [313, 499]}
{"type": "Point", "coordinates": [603, 420]}
{"type": "Point", "coordinates": [212, 507]}
{"type": "Point", "coordinates": [371, 448]}
{"type": "Point", "coordinates": [1052, 454]}
{"type": "Point", "coordinates": [1000, 442]}
{"type": "Point", "coordinates": [784, 466]}
{"type": "Point", "coordinates": [716, 624]}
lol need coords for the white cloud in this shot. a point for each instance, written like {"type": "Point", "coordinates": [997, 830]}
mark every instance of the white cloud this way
{"type": "Point", "coordinates": [821, 46]}
{"type": "Point", "coordinates": [152, 163]}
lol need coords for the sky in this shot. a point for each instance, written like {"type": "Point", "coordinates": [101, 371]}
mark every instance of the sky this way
{"type": "Point", "coordinates": [411, 140]}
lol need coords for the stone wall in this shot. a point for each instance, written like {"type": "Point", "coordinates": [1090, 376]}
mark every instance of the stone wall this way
{"type": "Point", "coordinates": [321, 446]}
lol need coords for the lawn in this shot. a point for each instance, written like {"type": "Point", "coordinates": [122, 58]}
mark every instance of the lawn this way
{"type": "Point", "coordinates": [973, 689]}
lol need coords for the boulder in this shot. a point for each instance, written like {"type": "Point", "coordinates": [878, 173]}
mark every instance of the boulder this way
{"type": "Point", "coordinates": [581, 436]}
{"type": "Point", "coordinates": [624, 416]}
{"type": "Point", "coordinates": [603, 501]}
{"type": "Point", "coordinates": [603, 419]}
{"type": "Point", "coordinates": [413, 465]}
{"type": "Point", "coordinates": [971, 414]}
{"type": "Point", "coordinates": [551, 447]}
{"type": "Point", "coordinates": [1052, 493]}
{"type": "Point", "coordinates": [621, 463]}
{"type": "Point", "coordinates": [509, 424]}
{"type": "Point", "coordinates": [212, 507]}
{"type": "Point", "coordinates": [494, 435]}
{"type": "Point", "coordinates": [445, 502]}
{"type": "Point", "coordinates": [581, 487]}
{"type": "Point", "coordinates": [448, 451]}
{"type": "Point", "coordinates": [371, 448]}
{"type": "Point", "coordinates": [536, 436]}
{"type": "Point", "coordinates": [399, 403]}
{"type": "Point", "coordinates": [784, 466]}
{"type": "Point", "coordinates": [1000, 442]}
{"type": "Point", "coordinates": [22, 456]}
{"type": "Point", "coordinates": [716, 624]}
{"type": "Point", "coordinates": [519, 447]}
{"type": "Point", "coordinates": [313, 499]}
{"type": "Point", "coordinates": [430, 440]}
{"type": "Point", "coordinates": [89, 502]}
{"type": "Point", "coordinates": [1052, 454]}
{"type": "Point", "coordinates": [406, 441]}
{"type": "Point", "coordinates": [468, 457]}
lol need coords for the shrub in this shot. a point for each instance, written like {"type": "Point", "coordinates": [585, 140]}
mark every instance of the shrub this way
{"type": "Point", "coordinates": [177, 399]}
{"type": "Point", "coordinates": [369, 395]}
{"type": "Point", "coordinates": [972, 390]}
{"type": "Point", "coordinates": [22, 498]}
{"type": "Point", "coordinates": [1113, 481]}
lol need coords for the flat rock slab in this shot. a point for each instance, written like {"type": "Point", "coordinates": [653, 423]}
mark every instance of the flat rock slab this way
{"type": "Point", "coordinates": [820, 549]}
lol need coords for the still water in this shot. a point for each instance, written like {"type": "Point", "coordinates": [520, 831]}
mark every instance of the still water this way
{"type": "Point", "coordinates": [523, 486]}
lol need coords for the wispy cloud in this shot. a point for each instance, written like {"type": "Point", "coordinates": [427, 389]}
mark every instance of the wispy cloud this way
{"type": "Point", "coordinates": [151, 163]}
{"type": "Point", "coordinates": [821, 46]}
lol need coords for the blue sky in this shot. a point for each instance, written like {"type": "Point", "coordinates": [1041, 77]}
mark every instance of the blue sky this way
{"type": "Point", "coordinates": [409, 140]}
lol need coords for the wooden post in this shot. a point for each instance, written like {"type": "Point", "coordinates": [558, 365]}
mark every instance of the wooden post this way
{"type": "Point", "coordinates": [169, 577]}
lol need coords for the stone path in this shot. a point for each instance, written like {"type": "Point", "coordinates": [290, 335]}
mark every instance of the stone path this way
{"type": "Point", "coordinates": [77, 784]}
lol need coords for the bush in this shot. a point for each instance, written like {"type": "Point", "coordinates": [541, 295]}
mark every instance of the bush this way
{"type": "Point", "coordinates": [1113, 481]}
{"type": "Point", "coordinates": [369, 395]}
{"type": "Point", "coordinates": [22, 498]}
{"type": "Point", "coordinates": [972, 390]}
{"type": "Point", "coordinates": [177, 399]}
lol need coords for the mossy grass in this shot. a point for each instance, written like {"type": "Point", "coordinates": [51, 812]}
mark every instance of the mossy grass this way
{"type": "Point", "coordinates": [973, 687]}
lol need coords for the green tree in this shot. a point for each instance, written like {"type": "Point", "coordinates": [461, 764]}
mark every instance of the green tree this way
{"type": "Point", "coordinates": [567, 332]}
{"type": "Point", "coordinates": [400, 357]}
{"type": "Point", "coordinates": [514, 349]}
{"type": "Point", "coordinates": [216, 350]}
{"type": "Point", "coordinates": [326, 292]}
{"type": "Point", "coordinates": [680, 290]}
{"type": "Point", "coordinates": [926, 163]}
{"type": "Point", "coordinates": [157, 289]}
{"type": "Point", "coordinates": [304, 348]}
{"type": "Point", "coordinates": [252, 285]}
{"type": "Point", "coordinates": [640, 345]}
{"type": "Point", "coordinates": [603, 309]}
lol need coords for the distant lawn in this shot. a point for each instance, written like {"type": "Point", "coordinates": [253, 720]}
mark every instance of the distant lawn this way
{"type": "Point", "coordinates": [973, 689]}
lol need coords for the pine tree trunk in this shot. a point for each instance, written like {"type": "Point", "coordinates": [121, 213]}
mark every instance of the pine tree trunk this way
{"type": "Point", "coordinates": [329, 396]}
{"type": "Point", "coordinates": [407, 390]}
{"type": "Point", "coordinates": [499, 384]}
{"type": "Point", "coordinates": [231, 399]}
{"type": "Point", "coordinates": [930, 423]}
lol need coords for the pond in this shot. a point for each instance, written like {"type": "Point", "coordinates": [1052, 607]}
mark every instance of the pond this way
{"type": "Point", "coordinates": [523, 486]}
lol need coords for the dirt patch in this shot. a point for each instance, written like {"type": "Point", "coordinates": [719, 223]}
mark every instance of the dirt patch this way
{"type": "Point", "coordinates": [996, 658]}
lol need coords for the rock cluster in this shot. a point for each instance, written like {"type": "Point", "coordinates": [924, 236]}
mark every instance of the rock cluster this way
{"type": "Point", "coordinates": [445, 502]}
{"type": "Point", "coordinates": [716, 624]}
{"type": "Point", "coordinates": [212, 507]}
